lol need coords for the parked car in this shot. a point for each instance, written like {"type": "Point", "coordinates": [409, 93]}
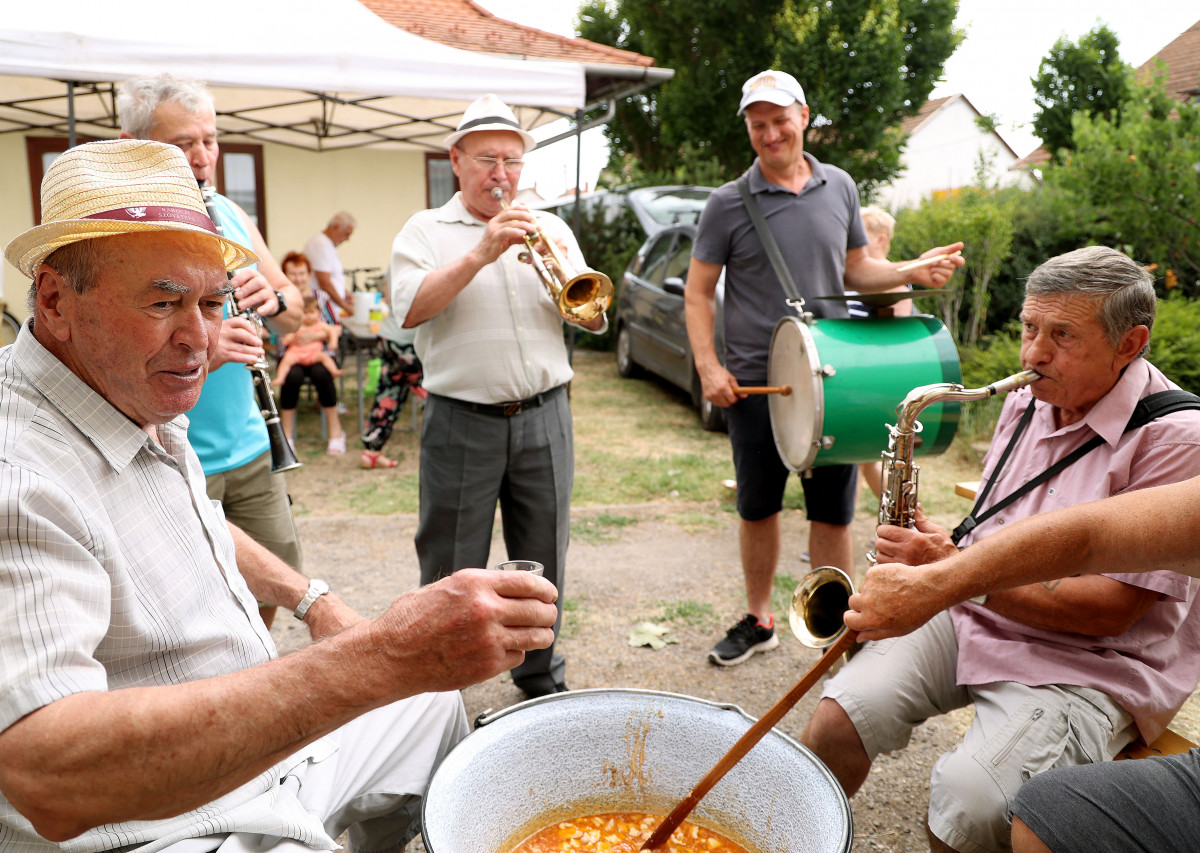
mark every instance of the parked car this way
{"type": "Point", "coordinates": [656, 208]}
{"type": "Point", "coordinates": [651, 330]}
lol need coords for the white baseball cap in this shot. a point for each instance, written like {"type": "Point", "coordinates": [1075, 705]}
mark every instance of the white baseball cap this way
{"type": "Point", "coordinates": [778, 87]}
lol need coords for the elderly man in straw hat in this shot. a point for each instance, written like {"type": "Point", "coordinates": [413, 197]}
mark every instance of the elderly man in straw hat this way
{"type": "Point", "coordinates": [227, 429]}
{"type": "Point", "coordinates": [497, 420]}
{"type": "Point", "coordinates": [132, 711]}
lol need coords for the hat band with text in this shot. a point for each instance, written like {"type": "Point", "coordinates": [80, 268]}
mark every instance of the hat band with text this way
{"type": "Point", "coordinates": [157, 213]}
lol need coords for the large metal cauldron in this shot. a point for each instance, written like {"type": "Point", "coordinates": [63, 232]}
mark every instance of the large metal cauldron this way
{"type": "Point", "coordinates": [594, 751]}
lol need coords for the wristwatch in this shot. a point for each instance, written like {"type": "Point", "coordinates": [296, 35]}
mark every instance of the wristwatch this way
{"type": "Point", "coordinates": [282, 303]}
{"type": "Point", "coordinates": [316, 588]}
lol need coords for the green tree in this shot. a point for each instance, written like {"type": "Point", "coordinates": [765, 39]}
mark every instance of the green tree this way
{"type": "Point", "coordinates": [1088, 77]}
{"type": "Point", "coordinates": [983, 220]}
{"type": "Point", "coordinates": [864, 65]}
{"type": "Point", "coordinates": [1141, 176]}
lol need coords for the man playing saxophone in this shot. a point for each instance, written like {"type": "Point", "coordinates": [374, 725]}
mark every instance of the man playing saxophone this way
{"type": "Point", "coordinates": [490, 339]}
{"type": "Point", "coordinates": [1063, 673]}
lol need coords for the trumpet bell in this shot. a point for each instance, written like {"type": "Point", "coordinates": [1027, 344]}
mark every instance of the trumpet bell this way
{"type": "Point", "coordinates": [586, 296]}
{"type": "Point", "coordinates": [818, 605]}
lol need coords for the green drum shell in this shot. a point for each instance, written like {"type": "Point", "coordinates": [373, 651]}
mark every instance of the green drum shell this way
{"type": "Point", "coordinates": [848, 377]}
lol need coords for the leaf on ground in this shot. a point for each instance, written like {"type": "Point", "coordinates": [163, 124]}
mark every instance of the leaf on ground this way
{"type": "Point", "coordinates": [649, 634]}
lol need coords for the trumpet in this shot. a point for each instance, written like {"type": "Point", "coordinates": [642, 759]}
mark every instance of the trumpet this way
{"type": "Point", "coordinates": [579, 297]}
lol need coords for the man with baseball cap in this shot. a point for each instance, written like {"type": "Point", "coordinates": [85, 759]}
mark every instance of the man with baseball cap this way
{"type": "Point", "coordinates": [812, 210]}
{"type": "Point", "coordinates": [142, 704]}
{"type": "Point", "coordinates": [497, 420]}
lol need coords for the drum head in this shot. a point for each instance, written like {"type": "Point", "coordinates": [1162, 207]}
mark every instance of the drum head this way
{"type": "Point", "coordinates": [797, 419]}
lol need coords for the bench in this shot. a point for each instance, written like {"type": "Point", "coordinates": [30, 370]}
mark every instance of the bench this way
{"type": "Point", "coordinates": [1168, 743]}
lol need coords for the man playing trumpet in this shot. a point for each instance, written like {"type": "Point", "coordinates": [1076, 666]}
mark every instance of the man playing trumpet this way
{"type": "Point", "coordinates": [489, 335]}
{"type": "Point", "coordinates": [1063, 673]}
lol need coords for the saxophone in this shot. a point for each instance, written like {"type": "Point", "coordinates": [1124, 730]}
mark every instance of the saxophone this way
{"type": "Point", "coordinates": [898, 500]}
{"type": "Point", "coordinates": [821, 598]}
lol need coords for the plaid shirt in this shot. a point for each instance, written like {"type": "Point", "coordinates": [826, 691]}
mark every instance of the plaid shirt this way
{"type": "Point", "coordinates": [117, 571]}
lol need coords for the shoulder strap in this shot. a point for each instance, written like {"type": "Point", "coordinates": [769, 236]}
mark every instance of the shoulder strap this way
{"type": "Point", "coordinates": [1149, 408]}
{"type": "Point", "coordinates": [767, 237]}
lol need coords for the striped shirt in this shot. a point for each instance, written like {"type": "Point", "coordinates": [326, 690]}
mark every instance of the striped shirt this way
{"type": "Point", "coordinates": [117, 571]}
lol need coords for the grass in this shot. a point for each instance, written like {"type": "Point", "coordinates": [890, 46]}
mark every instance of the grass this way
{"type": "Point", "coordinates": [596, 530]}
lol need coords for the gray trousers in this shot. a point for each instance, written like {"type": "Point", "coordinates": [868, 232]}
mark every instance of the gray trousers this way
{"type": "Point", "coordinates": [472, 459]}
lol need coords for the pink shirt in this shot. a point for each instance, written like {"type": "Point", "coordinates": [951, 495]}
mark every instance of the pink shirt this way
{"type": "Point", "coordinates": [1153, 667]}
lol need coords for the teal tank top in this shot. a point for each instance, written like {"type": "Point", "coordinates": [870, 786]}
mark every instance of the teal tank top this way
{"type": "Point", "coordinates": [227, 429]}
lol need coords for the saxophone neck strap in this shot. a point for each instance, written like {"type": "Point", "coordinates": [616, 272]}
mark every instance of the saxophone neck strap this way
{"type": "Point", "coordinates": [1148, 409]}
{"type": "Point", "coordinates": [767, 238]}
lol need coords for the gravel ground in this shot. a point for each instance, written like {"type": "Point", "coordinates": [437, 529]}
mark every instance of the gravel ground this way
{"type": "Point", "coordinates": [645, 563]}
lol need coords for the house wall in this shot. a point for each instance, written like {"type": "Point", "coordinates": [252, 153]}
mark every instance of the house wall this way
{"type": "Point", "coordinates": [380, 188]}
{"type": "Point", "coordinates": [943, 153]}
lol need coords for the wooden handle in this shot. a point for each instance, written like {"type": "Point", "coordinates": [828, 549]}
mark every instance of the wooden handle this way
{"type": "Point", "coordinates": [924, 262]}
{"type": "Point", "coordinates": [781, 390]}
{"type": "Point", "coordinates": [752, 736]}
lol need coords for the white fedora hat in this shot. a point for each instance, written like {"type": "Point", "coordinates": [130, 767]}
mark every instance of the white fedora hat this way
{"type": "Point", "coordinates": [490, 113]}
{"type": "Point", "coordinates": [119, 186]}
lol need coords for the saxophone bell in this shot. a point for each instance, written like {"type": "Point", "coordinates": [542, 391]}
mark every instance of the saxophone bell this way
{"type": "Point", "coordinates": [818, 604]}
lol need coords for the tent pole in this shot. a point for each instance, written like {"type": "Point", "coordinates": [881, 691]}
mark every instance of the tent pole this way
{"type": "Point", "coordinates": [70, 114]}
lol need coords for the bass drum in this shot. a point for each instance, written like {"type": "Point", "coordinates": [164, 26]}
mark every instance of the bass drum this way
{"type": "Point", "coordinates": [848, 377]}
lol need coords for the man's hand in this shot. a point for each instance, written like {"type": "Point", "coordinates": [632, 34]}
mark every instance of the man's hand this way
{"type": "Point", "coordinates": [717, 384]}
{"type": "Point", "coordinates": [927, 543]}
{"type": "Point", "coordinates": [253, 291]}
{"type": "Point", "coordinates": [937, 274]}
{"type": "Point", "coordinates": [239, 342]}
{"type": "Point", "coordinates": [507, 228]}
{"type": "Point", "coordinates": [893, 600]}
{"type": "Point", "coordinates": [465, 628]}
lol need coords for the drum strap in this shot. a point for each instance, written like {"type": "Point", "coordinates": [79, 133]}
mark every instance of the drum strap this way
{"type": "Point", "coordinates": [767, 237]}
{"type": "Point", "coordinates": [1148, 408]}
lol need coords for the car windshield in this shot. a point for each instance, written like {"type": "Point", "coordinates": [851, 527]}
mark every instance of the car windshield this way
{"type": "Point", "coordinates": [669, 207]}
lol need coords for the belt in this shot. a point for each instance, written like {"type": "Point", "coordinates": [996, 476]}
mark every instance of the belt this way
{"type": "Point", "coordinates": [505, 410]}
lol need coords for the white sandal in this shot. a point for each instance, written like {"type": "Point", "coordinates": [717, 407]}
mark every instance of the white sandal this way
{"type": "Point", "coordinates": [337, 445]}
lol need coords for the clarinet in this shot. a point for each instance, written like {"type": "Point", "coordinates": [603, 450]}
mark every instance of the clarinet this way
{"type": "Point", "coordinates": [282, 457]}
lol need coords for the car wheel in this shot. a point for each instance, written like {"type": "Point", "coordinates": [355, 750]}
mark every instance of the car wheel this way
{"type": "Point", "coordinates": [712, 417]}
{"type": "Point", "coordinates": [626, 366]}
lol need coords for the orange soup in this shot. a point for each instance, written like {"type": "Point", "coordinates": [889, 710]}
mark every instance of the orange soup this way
{"type": "Point", "coordinates": [623, 832]}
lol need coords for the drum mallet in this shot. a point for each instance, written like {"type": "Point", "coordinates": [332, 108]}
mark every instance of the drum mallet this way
{"type": "Point", "coordinates": [781, 390]}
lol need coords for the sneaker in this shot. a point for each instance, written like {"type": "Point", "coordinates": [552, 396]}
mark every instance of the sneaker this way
{"type": "Point", "coordinates": [744, 639]}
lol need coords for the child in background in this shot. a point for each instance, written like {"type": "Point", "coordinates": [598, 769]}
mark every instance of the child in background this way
{"type": "Point", "coordinates": [307, 344]}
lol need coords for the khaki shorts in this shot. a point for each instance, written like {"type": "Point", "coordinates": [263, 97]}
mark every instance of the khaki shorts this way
{"type": "Point", "coordinates": [892, 686]}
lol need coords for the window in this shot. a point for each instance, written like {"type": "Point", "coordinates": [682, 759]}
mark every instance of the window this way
{"type": "Point", "coordinates": [440, 181]}
{"type": "Point", "coordinates": [239, 174]}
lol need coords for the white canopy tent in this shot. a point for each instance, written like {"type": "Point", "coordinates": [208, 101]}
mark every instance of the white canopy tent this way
{"type": "Point", "coordinates": [321, 74]}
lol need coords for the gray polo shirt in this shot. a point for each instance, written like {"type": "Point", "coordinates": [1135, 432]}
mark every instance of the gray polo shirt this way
{"type": "Point", "coordinates": [814, 229]}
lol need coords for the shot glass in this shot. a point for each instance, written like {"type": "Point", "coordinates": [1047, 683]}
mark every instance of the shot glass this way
{"type": "Point", "coordinates": [520, 566]}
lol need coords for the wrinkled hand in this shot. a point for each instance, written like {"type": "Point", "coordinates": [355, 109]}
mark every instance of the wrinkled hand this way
{"type": "Point", "coordinates": [939, 273]}
{"type": "Point", "coordinates": [467, 628]}
{"type": "Point", "coordinates": [927, 543]}
{"type": "Point", "coordinates": [892, 600]}
{"type": "Point", "coordinates": [239, 343]}
{"type": "Point", "coordinates": [253, 291]}
{"type": "Point", "coordinates": [507, 228]}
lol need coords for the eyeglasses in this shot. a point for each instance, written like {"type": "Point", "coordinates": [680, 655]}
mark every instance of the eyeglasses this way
{"type": "Point", "coordinates": [490, 163]}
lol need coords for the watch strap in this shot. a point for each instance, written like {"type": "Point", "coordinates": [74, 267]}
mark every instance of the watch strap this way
{"type": "Point", "coordinates": [316, 588]}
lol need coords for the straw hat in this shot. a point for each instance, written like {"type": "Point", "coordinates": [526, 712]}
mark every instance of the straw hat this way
{"type": "Point", "coordinates": [120, 186]}
{"type": "Point", "coordinates": [490, 113]}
